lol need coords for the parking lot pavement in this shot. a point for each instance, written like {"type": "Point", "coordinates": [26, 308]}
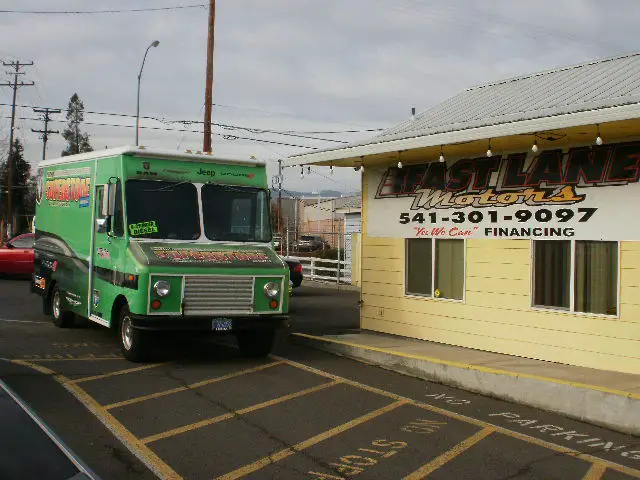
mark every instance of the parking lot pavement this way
{"type": "Point", "coordinates": [203, 411]}
{"type": "Point", "coordinates": [327, 310]}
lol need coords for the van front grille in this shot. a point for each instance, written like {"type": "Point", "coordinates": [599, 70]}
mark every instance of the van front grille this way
{"type": "Point", "coordinates": [218, 294]}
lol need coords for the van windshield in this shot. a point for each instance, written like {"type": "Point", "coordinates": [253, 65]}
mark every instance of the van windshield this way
{"type": "Point", "coordinates": [237, 214]}
{"type": "Point", "coordinates": [161, 209]}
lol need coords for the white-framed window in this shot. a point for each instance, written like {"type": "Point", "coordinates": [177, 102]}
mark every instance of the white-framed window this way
{"type": "Point", "coordinates": [435, 268]}
{"type": "Point", "coordinates": [576, 275]}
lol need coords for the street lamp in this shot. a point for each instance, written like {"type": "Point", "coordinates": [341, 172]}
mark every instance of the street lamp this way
{"type": "Point", "coordinates": [155, 43]}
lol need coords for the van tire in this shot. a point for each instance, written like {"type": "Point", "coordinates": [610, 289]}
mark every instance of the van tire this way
{"type": "Point", "coordinates": [61, 318]}
{"type": "Point", "coordinates": [134, 343]}
{"type": "Point", "coordinates": [255, 343]}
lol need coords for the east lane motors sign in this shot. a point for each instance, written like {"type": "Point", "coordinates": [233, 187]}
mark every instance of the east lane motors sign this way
{"type": "Point", "coordinates": [585, 193]}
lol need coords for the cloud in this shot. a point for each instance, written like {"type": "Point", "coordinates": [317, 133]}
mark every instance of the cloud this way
{"type": "Point", "coordinates": [291, 64]}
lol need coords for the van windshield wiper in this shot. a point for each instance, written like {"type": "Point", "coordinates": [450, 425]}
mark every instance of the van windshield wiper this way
{"type": "Point", "coordinates": [167, 187]}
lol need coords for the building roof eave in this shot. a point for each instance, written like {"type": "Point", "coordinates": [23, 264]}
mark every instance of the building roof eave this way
{"type": "Point", "coordinates": [577, 119]}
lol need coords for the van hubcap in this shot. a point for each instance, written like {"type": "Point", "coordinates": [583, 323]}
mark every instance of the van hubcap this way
{"type": "Point", "coordinates": [127, 333]}
{"type": "Point", "coordinates": [56, 304]}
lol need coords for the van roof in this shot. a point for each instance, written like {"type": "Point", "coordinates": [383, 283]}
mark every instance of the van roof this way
{"type": "Point", "coordinates": [145, 152]}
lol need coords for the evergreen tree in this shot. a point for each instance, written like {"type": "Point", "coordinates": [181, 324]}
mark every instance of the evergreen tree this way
{"type": "Point", "coordinates": [21, 185]}
{"type": "Point", "coordinates": [77, 142]}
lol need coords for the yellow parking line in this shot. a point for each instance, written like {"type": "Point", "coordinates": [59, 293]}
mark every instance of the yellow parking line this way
{"type": "Point", "coordinates": [449, 455]}
{"type": "Point", "coordinates": [119, 372]}
{"type": "Point", "coordinates": [287, 452]}
{"type": "Point", "coordinates": [202, 383]}
{"type": "Point", "coordinates": [74, 359]}
{"type": "Point", "coordinates": [520, 436]}
{"type": "Point", "coordinates": [595, 472]}
{"type": "Point", "coordinates": [227, 416]}
{"type": "Point", "coordinates": [137, 448]}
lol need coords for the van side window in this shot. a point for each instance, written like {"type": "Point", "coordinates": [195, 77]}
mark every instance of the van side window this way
{"type": "Point", "coordinates": [99, 200]}
{"type": "Point", "coordinates": [118, 216]}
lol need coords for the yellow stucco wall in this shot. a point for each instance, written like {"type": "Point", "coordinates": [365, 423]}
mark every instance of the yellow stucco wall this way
{"type": "Point", "coordinates": [496, 314]}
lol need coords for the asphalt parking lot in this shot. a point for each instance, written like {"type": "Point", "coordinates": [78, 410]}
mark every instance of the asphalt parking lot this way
{"type": "Point", "coordinates": [203, 411]}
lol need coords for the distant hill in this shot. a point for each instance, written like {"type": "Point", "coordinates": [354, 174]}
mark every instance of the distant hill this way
{"type": "Point", "coordinates": [297, 194]}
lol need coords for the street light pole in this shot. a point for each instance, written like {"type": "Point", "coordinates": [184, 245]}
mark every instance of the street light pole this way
{"type": "Point", "coordinates": [155, 43]}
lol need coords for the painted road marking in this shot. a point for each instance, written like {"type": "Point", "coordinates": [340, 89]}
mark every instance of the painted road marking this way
{"type": "Point", "coordinates": [375, 451]}
{"type": "Point", "coordinates": [8, 320]}
{"type": "Point", "coordinates": [521, 436]}
{"type": "Point", "coordinates": [191, 386]}
{"type": "Point", "coordinates": [68, 356]}
{"type": "Point", "coordinates": [163, 470]}
{"type": "Point", "coordinates": [287, 452]}
{"type": "Point", "coordinates": [133, 444]}
{"type": "Point", "coordinates": [449, 455]}
{"type": "Point", "coordinates": [595, 472]}
{"type": "Point", "coordinates": [573, 436]}
{"type": "Point", "coordinates": [119, 372]}
{"type": "Point", "coordinates": [242, 411]}
{"type": "Point", "coordinates": [352, 465]}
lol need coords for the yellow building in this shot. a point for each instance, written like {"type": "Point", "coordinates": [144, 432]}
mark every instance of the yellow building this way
{"type": "Point", "coordinates": [506, 218]}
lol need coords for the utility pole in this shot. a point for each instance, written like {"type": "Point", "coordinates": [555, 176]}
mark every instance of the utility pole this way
{"type": "Point", "coordinates": [45, 133]}
{"type": "Point", "coordinates": [15, 85]}
{"type": "Point", "coordinates": [208, 92]}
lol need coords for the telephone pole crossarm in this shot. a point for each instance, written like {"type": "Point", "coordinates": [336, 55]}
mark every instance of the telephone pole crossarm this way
{"type": "Point", "coordinates": [45, 133]}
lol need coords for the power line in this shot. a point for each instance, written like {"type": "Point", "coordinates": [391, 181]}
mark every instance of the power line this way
{"type": "Point", "coordinates": [169, 129]}
{"type": "Point", "coordinates": [254, 130]}
{"type": "Point", "coordinates": [333, 180]}
{"type": "Point", "coordinates": [92, 12]}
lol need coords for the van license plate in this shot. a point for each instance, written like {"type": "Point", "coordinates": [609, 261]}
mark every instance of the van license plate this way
{"type": "Point", "coordinates": [221, 324]}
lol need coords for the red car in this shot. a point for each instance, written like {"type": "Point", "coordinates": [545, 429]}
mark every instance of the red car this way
{"type": "Point", "coordinates": [16, 257]}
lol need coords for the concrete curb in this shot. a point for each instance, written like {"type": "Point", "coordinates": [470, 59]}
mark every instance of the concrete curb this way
{"type": "Point", "coordinates": [612, 409]}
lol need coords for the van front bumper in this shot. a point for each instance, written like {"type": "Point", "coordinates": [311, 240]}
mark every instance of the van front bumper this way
{"type": "Point", "coordinates": [206, 324]}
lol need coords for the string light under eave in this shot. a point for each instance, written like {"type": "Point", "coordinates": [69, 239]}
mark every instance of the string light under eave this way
{"type": "Point", "coordinates": [598, 138]}
{"type": "Point", "coordinates": [331, 169]}
{"type": "Point", "coordinates": [534, 148]}
{"type": "Point", "coordinates": [441, 159]}
{"type": "Point", "coordinates": [301, 172]}
{"type": "Point", "coordinates": [489, 152]}
{"type": "Point", "coordinates": [399, 161]}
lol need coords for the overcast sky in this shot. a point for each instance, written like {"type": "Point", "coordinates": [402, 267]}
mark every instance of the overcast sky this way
{"type": "Point", "coordinates": [286, 65]}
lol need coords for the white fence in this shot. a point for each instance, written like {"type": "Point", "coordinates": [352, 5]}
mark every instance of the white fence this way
{"type": "Point", "coordinates": [314, 268]}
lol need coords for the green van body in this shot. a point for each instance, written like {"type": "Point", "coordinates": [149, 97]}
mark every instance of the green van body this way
{"type": "Point", "coordinates": [110, 225]}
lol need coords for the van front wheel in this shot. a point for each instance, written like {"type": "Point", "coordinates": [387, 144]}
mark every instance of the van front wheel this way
{"type": "Point", "coordinates": [133, 342]}
{"type": "Point", "coordinates": [256, 343]}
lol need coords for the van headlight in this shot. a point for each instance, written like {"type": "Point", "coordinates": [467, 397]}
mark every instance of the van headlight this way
{"type": "Point", "coordinates": [272, 290]}
{"type": "Point", "coordinates": [161, 288]}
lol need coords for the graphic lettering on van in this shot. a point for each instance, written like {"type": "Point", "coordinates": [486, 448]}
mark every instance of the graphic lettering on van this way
{"type": "Point", "coordinates": [143, 228]}
{"type": "Point", "coordinates": [210, 256]}
{"type": "Point", "coordinates": [63, 192]}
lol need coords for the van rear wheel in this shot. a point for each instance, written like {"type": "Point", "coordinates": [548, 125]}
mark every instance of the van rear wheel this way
{"type": "Point", "coordinates": [256, 343]}
{"type": "Point", "coordinates": [134, 343]}
{"type": "Point", "coordinates": [60, 317]}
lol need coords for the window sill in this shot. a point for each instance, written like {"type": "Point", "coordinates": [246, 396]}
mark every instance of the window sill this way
{"type": "Point", "coordinates": [414, 296]}
{"type": "Point", "coordinates": [575, 314]}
